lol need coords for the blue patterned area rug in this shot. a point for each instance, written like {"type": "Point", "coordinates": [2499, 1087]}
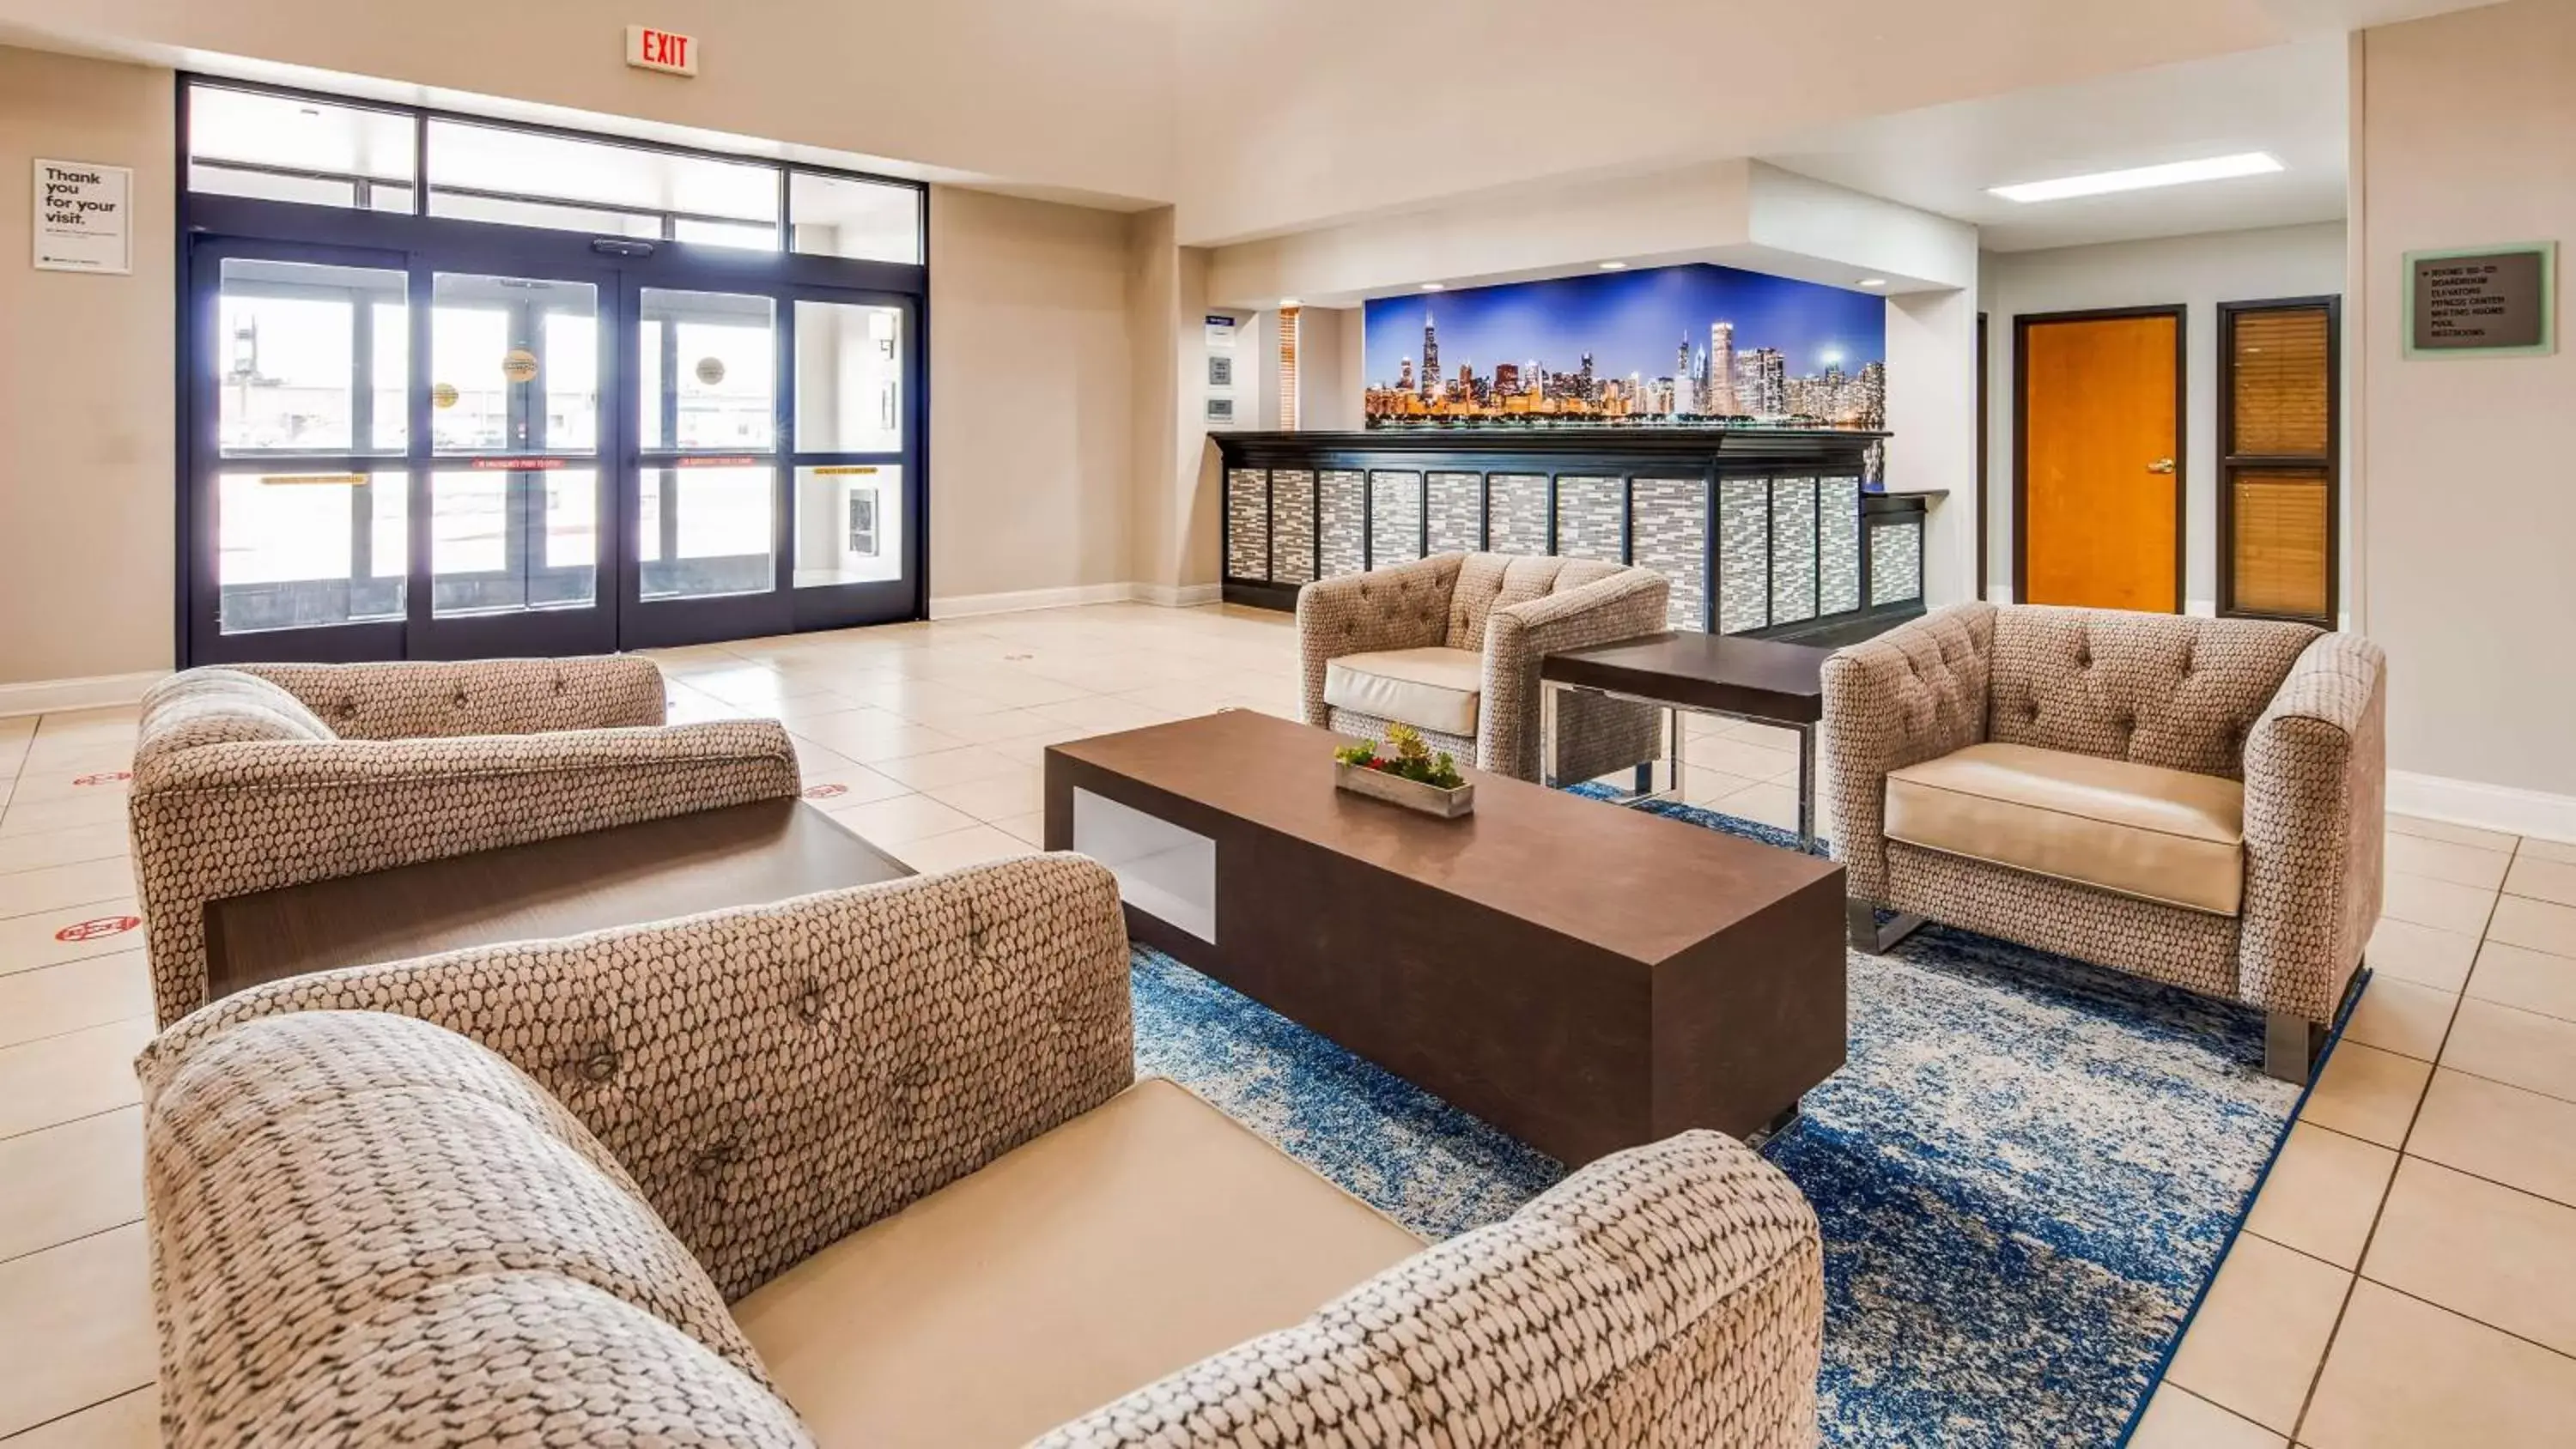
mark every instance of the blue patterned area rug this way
{"type": "Point", "coordinates": [2026, 1174]}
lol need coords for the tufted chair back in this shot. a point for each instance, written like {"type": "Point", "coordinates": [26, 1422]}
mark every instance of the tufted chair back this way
{"type": "Point", "coordinates": [1490, 581]}
{"type": "Point", "coordinates": [2153, 689]}
{"type": "Point", "coordinates": [435, 700]}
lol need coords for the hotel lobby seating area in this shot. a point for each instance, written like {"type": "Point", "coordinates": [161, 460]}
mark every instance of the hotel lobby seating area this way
{"type": "Point", "coordinates": [2406, 1089]}
{"type": "Point", "coordinates": [1032, 724]}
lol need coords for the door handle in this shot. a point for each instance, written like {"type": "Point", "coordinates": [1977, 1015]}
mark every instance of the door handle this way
{"type": "Point", "coordinates": [2161, 465]}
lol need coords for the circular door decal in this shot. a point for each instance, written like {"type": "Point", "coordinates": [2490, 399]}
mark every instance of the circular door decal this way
{"type": "Point", "coordinates": [443, 394]}
{"type": "Point", "coordinates": [711, 370]}
{"type": "Point", "coordinates": [519, 365]}
{"type": "Point", "coordinates": [91, 930]}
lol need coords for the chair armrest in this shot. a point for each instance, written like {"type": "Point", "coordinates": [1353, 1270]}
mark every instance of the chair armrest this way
{"type": "Point", "coordinates": [776, 1077]}
{"type": "Point", "coordinates": [416, 700]}
{"type": "Point", "coordinates": [229, 819]}
{"type": "Point", "coordinates": [1914, 693]}
{"type": "Point", "coordinates": [1404, 606]}
{"type": "Point", "coordinates": [2316, 790]}
{"type": "Point", "coordinates": [1669, 1295]}
{"type": "Point", "coordinates": [1625, 605]}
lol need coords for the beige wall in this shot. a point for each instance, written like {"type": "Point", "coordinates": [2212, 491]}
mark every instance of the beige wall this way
{"type": "Point", "coordinates": [1173, 503]}
{"type": "Point", "coordinates": [2469, 562]}
{"type": "Point", "coordinates": [86, 433]}
{"type": "Point", "coordinates": [2199, 272]}
{"type": "Point", "coordinates": [1031, 371]}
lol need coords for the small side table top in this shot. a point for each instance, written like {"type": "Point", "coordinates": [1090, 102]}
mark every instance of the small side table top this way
{"type": "Point", "coordinates": [741, 855]}
{"type": "Point", "coordinates": [1748, 678]}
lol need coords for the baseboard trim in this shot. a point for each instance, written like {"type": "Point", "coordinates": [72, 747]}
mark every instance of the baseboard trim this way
{"type": "Point", "coordinates": [2507, 808]}
{"type": "Point", "coordinates": [52, 696]}
{"type": "Point", "coordinates": [1169, 596]}
{"type": "Point", "coordinates": [1179, 596]}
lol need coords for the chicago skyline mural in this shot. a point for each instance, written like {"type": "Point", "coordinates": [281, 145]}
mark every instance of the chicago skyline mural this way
{"type": "Point", "coordinates": [1698, 345]}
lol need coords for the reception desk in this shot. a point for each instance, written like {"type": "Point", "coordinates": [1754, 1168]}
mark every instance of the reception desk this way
{"type": "Point", "coordinates": [1765, 532]}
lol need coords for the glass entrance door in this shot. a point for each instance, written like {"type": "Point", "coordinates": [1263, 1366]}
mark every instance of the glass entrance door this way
{"type": "Point", "coordinates": [854, 462]}
{"type": "Point", "coordinates": [517, 465]}
{"type": "Point", "coordinates": [300, 466]}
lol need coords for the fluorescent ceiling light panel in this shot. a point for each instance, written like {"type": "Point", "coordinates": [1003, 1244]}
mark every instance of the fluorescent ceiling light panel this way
{"type": "Point", "coordinates": [2174, 173]}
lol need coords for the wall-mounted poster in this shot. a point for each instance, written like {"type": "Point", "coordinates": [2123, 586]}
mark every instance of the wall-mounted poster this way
{"type": "Point", "coordinates": [1220, 412]}
{"type": "Point", "coordinates": [1698, 345]}
{"type": "Point", "coordinates": [1220, 371]}
{"type": "Point", "coordinates": [1220, 330]}
{"type": "Point", "coordinates": [81, 218]}
{"type": "Point", "coordinates": [2482, 301]}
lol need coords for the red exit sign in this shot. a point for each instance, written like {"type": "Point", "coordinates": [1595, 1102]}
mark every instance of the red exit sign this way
{"type": "Point", "coordinates": [667, 51]}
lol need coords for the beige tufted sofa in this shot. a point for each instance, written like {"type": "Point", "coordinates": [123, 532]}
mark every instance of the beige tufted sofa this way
{"type": "Point", "coordinates": [872, 1168]}
{"type": "Point", "coordinates": [1451, 644]}
{"type": "Point", "coordinates": [2196, 800]}
{"type": "Point", "coordinates": [259, 776]}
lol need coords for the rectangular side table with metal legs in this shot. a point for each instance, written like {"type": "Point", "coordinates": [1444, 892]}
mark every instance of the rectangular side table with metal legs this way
{"type": "Point", "coordinates": [1550, 691]}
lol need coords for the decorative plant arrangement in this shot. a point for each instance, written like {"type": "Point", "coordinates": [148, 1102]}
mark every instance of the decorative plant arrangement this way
{"type": "Point", "coordinates": [1404, 772]}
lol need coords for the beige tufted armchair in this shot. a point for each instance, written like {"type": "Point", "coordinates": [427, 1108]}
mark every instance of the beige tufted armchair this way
{"type": "Point", "coordinates": [1451, 645]}
{"type": "Point", "coordinates": [874, 1168]}
{"type": "Point", "coordinates": [259, 776]}
{"type": "Point", "coordinates": [2195, 800]}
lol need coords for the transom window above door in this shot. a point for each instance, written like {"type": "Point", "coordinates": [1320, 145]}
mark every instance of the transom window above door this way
{"type": "Point", "coordinates": [277, 146]}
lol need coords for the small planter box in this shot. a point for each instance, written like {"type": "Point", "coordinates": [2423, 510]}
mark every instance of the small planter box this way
{"type": "Point", "coordinates": [1411, 794]}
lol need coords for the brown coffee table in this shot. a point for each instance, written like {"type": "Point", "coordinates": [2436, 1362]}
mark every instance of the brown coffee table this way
{"type": "Point", "coordinates": [743, 855]}
{"type": "Point", "coordinates": [1756, 679]}
{"type": "Point", "coordinates": [1583, 977]}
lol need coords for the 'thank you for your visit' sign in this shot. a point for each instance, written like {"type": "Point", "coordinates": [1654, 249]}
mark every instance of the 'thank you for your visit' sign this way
{"type": "Point", "coordinates": [82, 220]}
{"type": "Point", "coordinates": [2482, 301]}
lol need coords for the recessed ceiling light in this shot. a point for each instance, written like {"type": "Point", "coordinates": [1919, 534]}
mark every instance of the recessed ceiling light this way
{"type": "Point", "coordinates": [1290, 302]}
{"type": "Point", "coordinates": [2175, 173]}
{"type": "Point", "coordinates": [1435, 286]}
{"type": "Point", "coordinates": [1873, 281]}
{"type": "Point", "coordinates": [1614, 266]}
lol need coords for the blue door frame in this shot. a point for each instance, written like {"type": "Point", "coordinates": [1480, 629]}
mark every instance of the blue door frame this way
{"type": "Point", "coordinates": [216, 228]}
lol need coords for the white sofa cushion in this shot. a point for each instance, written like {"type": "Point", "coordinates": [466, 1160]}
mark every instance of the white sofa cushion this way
{"type": "Point", "coordinates": [1429, 689]}
{"type": "Point", "coordinates": [2140, 830]}
{"type": "Point", "coordinates": [1125, 1245]}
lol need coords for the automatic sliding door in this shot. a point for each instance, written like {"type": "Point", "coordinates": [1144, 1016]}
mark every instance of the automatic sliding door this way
{"type": "Point", "coordinates": [707, 468]}
{"type": "Point", "coordinates": [515, 474]}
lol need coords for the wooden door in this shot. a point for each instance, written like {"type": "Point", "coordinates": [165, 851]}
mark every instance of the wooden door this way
{"type": "Point", "coordinates": [2100, 460]}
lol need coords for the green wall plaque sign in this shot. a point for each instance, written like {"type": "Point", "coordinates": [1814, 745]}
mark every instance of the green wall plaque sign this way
{"type": "Point", "coordinates": [2499, 301]}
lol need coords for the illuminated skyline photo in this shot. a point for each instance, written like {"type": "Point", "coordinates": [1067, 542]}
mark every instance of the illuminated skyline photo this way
{"type": "Point", "coordinates": [1699, 343]}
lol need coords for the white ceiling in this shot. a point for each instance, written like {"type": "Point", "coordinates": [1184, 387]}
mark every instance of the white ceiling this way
{"type": "Point", "coordinates": [2289, 100]}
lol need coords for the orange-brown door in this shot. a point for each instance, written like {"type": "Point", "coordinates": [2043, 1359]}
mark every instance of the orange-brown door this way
{"type": "Point", "coordinates": [2101, 449]}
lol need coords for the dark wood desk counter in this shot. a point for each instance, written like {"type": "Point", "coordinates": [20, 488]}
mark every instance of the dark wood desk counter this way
{"type": "Point", "coordinates": [768, 850]}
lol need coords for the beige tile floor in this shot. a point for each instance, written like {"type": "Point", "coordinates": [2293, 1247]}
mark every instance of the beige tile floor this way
{"type": "Point", "coordinates": [2408, 1276]}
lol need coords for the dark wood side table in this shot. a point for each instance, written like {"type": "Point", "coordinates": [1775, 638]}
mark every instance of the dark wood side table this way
{"type": "Point", "coordinates": [1752, 679]}
{"type": "Point", "coordinates": [743, 855]}
{"type": "Point", "coordinates": [1584, 979]}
